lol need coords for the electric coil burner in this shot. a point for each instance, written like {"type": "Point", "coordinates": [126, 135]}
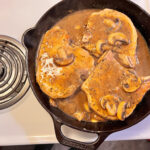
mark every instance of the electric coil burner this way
{"type": "Point", "coordinates": [13, 74]}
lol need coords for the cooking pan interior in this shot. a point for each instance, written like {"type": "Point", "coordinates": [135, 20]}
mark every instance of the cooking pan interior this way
{"type": "Point", "coordinates": [31, 40]}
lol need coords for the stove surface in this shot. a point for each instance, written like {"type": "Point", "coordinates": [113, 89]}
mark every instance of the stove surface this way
{"type": "Point", "coordinates": [27, 122]}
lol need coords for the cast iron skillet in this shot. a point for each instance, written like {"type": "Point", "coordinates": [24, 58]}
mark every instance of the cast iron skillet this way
{"type": "Point", "coordinates": [31, 40]}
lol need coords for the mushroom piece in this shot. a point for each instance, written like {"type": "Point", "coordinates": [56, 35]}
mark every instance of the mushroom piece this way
{"type": "Point", "coordinates": [99, 46]}
{"type": "Point", "coordinates": [111, 108]}
{"type": "Point", "coordinates": [117, 39]}
{"type": "Point", "coordinates": [86, 37]}
{"type": "Point", "coordinates": [114, 25]}
{"type": "Point", "coordinates": [122, 110]}
{"type": "Point", "coordinates": [129, 110]}
{"type": "Point", "coordinates": [63, 58]}
{"type": "Point", "coordinates": [110, 103]}
{"type": "Point", "coordinates": [79, 115]}
{"type": "Point", "coordinates": [128, 104]}
{"type": "Point", "coordinates": [96, 118]}
{"type": "Point", "coordinates": [102, 46]}
{"type": "Point", "coordinates": [52, 102]}
{"type": "Point", "coordinates": [110, 23]}
{"type": "Point", "coordinates": [103, 102]}
{"type": "Point", "coordinates": [131, 82]}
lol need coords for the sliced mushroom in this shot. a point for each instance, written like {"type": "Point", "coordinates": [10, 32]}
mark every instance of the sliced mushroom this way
{"type": "Point", "coordinates": [111, 108]}
{"type": "Point", "coordinates": [114, 25]}
{"type": "Point", "coordinates": [110, 23]}
{"type": "Point", "coordinates": [102, 46]}
{"type": "Point", "coordinates": [131, 82]}
{"type": "Point", "coordinates": [122, 110]}
{"type": "Point", "coordinates": [106, 47]}
{"type": "Point", "coordinates": [86, 37]}
{"type": "Point", "coordinates": [63, 58]}
{"type": "Point", "coordinates": [99, 46]}
{"type": "Point", "coordinates": [128, 104]}
{"type": "Point", "coordinates": [92, 49]}
{"type": "Point", "coordinates": [130, 110]}
{"type": "Point", "coordinates": [79, 115]}
{"type": "Point", "coordinates": [96, 118]}
{"type": "Point", "coordinates": [117, 39]}
{"type": "Point", "coordinates": [103, 102]}
{"type": "Point", "coordinates": [52, 102]}
{"type": "Point", "coordinates": [118, 24]}
{"type": "Point", "coordinates": [110, 103]}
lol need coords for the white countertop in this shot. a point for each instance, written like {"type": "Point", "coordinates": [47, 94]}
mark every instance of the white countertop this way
{"type": "Point", "coordinates": [27, 122]}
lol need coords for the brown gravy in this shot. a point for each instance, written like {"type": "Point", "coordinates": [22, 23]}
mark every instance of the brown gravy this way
{"type": "Point", "coordinates": [75, 106]}
{"type": "Point", "coordinates": [75, 24]}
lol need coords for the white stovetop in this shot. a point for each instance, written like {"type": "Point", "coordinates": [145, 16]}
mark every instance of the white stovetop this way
{"type": "Point", "coordinates": [27, 122]}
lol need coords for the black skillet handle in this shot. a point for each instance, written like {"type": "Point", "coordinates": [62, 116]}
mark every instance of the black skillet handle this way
{"type": "Point", "coordinates": [30, 39]}
{"type": "Point", "coordinates": [76, 144]}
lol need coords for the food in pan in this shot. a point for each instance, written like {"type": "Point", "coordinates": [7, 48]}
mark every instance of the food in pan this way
{"type": "Point", "coordinates": [111, 30]}
{"type": "Point", "coordinates": [61, 68]}
{"type": "Point", "coordinates": [77, 106]}
{"type": "Point", "coordinates": [94, 65]}
{"type": "Point", "coordinates": [112, 90]}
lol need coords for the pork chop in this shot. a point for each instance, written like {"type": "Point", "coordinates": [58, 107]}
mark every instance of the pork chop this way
{"type": "Point", "coordinates": [114, 91]}
{"type": "Point", "coordinates": [61, 69]}
{"type": "Point", "coordinates": [111, 30]}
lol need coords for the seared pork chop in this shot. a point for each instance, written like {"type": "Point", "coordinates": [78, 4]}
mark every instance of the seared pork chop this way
{"type": "Point", "coordinates": [113, 91]}
{"type": "Point", "coordinates": [111, 30]}
{"type": "Point", "coordinates": [61, 69]}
